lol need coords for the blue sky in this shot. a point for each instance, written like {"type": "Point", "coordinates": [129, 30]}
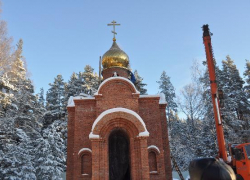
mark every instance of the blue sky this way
{"type": "Point", "coordinates": [62, 36]}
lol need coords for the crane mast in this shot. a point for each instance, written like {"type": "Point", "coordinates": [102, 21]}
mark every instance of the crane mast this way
{"type": "Point", "coordinates": [214, 92]}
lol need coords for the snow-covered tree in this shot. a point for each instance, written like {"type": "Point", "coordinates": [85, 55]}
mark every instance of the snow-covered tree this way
{"type": "Point", "coordinates": [41, 99]}
{"type": "Point", "coordinates": [5, 49]}
{"type": "Point", "coordinates": [75, 86]}
{"type": "Point", "coordinates": [183, 142]}
{"type": "Point", "coordinates": [20, 120]}
{"type": "Point", "coordinates": [90, 79]}
{"type": "Point", "coordinates": [55, 101]}
{"type": "Point", "coordinates": [247, 91]}
{"type": "Point", "coordinates": [139, 84]}
{"type": "Point", "coordinates": [235, 100]}
{"type": "Point", "coordinates": [233, 87]}
{"type": "Point", "coordinates": [167, 88]}
{"type": "Point", "coordinates": [5, 60]}
{"type": "Point", "coordinates": [16, 157]}
{"type": "Point", "coordinates": [50, 148]}
{"type": "Point", "coordinates": [208, 142]}
{"type": "Point", "coordinates": [247, 77]}
{"type": "Point", "coordinates": [191, 103]}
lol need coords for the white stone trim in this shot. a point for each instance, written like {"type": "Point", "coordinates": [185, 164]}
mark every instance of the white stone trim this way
{"type": "Point", "coordinates": [93, 136]}
{"type": "Point", "coordinates": [116, 78]}
{"type": "Point", "coordinates": [144, 134]}
{"type": "Point", "coordinates": [154, 147]}
{"type": "Point", "coordinates": [110, 111]}
{"type": "Point", "coordinates": [84, 149]}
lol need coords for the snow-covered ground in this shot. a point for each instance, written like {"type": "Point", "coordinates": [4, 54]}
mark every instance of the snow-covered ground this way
{"type": "Point", "coordinates": [176, 176]}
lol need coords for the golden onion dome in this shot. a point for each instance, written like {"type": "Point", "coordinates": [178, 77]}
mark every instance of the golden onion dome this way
{"type": "Point", "coordinates": [115, 57]}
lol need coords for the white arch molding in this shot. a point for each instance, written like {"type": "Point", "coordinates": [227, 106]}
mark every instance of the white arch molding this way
{"type": "Point", "coordinates": [84, 150]}
{"type": "Point", "coordinates": [145, 133]}
{"type": "Point", "coordinates": [154, 148]}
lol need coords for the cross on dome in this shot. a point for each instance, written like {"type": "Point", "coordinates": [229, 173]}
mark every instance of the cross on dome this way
{"type": "Point", "coordinates": [113, 23]}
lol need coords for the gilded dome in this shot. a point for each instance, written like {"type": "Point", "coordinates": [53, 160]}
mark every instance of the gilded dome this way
{"type": "Point", "coordinates": [115, 57]}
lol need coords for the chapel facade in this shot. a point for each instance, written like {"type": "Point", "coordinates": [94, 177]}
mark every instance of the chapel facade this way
{"type": "Point", "coordinates": [117, 134]}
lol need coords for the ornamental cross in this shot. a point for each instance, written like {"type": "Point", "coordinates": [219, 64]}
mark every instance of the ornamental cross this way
{"type": "Point", "coordinates": [114, 24]}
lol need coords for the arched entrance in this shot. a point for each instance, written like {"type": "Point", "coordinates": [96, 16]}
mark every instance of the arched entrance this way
{"type": "Point", "coordinates": [119, 156]}
{"type": "Point", "coordinates": [127, 126]}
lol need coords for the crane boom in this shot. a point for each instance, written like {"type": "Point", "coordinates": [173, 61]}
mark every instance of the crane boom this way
{"type": "Point", "coordinates": [214, 92]}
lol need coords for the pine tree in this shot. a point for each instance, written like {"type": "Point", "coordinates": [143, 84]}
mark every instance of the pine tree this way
{"type": "Point", "coordinates": [232, 86]}
{"type": "Point", "coordinates": [24, 103]}
{"type": "Point", "coordinates": [16, 157]}
{"type": "Point", "coordinates": [168, 90]}
{"type": "Point", "coordinates": [247, 76]}
{"type": "Point", "coordinates": [83, 82]}
{"type": "Point", "coordinates": [6, 59]}
{"type": "Point", "coordinates": [90, 79]}
{"type": "Point", "coordinates": [5, 48]}
{"type": "Point", "coordinates": [50, 148]}
{"type": "Point", "coordinates": [74, 87]}
{"type": "Point", "coordinates": [21, 113]}
{"type": "Point", "coordinates": [41, 99]}
{"type": "Point", "coordinates": [181, 143]}
{"type": "Point", "coordinates": [235, 100]}
{"type": "Point", "coordinates": [139, 84]}
{"type": "Point", "coordinates": [55, 101]}
{"type": "Point", "coordinates": [247, 92]}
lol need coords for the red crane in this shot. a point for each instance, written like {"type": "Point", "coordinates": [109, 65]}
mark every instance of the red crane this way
{"type": "Point", "coordinates": [239, 153]}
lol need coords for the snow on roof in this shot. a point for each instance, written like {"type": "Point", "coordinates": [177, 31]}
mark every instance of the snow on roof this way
{"type": "Point", "coordinates": [109, 111]}
{"type": "Point", "coordinates": [71, 102]}
{"type": "Point", "coordinates": [154, 147]}
{"type": "Point", "coordinates": [149, 96]}
{"type": "Point", "coordinates": [84, 149]}
{"type": "Point", "coordinates": [162, 99]}
{"type": "Point", "coordinates": [116, 78]}
{"type": "Point", "coordinates": [161, 96]}
{"type": "Point", "coordinates": [82, 97]}
{"type": "Point", "coordinates": [71, 99]}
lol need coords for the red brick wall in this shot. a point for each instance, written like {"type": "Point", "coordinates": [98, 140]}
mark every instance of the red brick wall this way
{"type": "Point", "coordinates": [70, 143]}
{"type": "Point", "coordinates": [165, 140]}
{"type": "Point", "coordinates": [150, 113]}
{"type": "Point", "coordinates": [118, 93]}
{"type": "Point", "coordinates": [85, 114]}
{"type": "Point", "coordinates": [122, 72]}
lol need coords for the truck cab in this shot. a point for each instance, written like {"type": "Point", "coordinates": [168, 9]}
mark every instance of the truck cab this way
{"type": "Point", "coordinates": [240, 154]}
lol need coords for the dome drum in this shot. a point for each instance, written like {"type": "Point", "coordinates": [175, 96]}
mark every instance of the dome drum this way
{"type": "Point", "coordinates": [120, 71]}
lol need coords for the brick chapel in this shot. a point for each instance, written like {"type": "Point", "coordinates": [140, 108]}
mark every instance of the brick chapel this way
{"type": "Point", "coordinates": [117, 134]}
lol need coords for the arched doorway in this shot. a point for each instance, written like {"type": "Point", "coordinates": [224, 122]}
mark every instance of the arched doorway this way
{"type": "Point", "coordinates": [119, 156]}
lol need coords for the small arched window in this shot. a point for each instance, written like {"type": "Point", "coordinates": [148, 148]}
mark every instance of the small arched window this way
{"type": "Point", "coordinates": [153, 152]}
{"type": "Point", "coordinates": [86, 161]}
{"type": "Point", "coordinates": [86, 164]}
{"type": "Point", "coordinates": [152, 162]}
